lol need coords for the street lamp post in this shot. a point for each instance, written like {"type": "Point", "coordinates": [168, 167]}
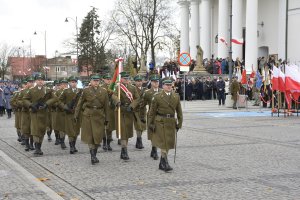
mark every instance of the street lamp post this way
{"type": "Point", "coordinates": [76, 26]}
{"type": "Point", "coordinates": [45, 40]}
{"type": "Point", "coordinates": [56, 65]}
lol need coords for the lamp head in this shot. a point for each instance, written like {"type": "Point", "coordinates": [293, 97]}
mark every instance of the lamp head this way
{"type": "Point", "coordinates": [66, 20]}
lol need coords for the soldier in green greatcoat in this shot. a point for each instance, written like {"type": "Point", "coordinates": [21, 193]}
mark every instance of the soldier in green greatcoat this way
{"type": "Point", "coordinates": [37, 99]}
{"type": "Point", "coordinates": [163, 121]}
{"type": "Point", "coordinates": [49, 118]}
{"type": "Point", "coordinates": [53, 113]}
{"type": "Point", "coordinates": [139, 112]}
{"type": "Point", "coordinates": [25, 115]}
{"type": "Point", "coordinates": [94, 103]}
{"type": "Point", "coordinates": [111, 113]}
{"type": "Point", "coordinates": [129, 100]}
{"type": "Point", "coordinates": [60, 114]}
{"type": "Point", "coordinates": [17, 110]}
{"type": "Point", "coordinates": [67, 101]}
{"type": "Point", "coordinates": [235, 89]}
{"type": "Point", "coordinates": [148, 96]}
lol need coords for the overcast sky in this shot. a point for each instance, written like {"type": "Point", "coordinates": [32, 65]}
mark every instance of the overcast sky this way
{"type": "Point", "coordinates": [19, 19]}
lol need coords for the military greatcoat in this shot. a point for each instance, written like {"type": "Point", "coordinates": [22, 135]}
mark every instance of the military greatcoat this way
{"type": "Point", "coordinates": [60, 114]}
{"type": "Point", "coordinates": [147, 99]}
{"type": "Point", "coordinates": [17, 109]}
{"type": "Point", "coordinates": [94, 103]}
{"type": "Point", "coordinates": [111, 111]}
{"type": "Point", "coordinates": [140, 112]}
{"type": "Point", "coordinates": [25, 115]}
{"type": "Point", "coordinates": [69, 98]}
{"type": "Point", "coordinates": [162, 116]}
{"type": "Point", "coordinates": [127, 115]}
{"type": "Point", "coordinates": [38, 119]}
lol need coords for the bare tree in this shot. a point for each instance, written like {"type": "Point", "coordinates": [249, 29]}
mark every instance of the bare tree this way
{"type": "Point", "coordinates": [6, 52]}
{"type": "Point", "coordinates": [144, 23]}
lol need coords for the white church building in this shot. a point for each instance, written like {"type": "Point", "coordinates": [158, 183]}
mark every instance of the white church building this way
{"type": "Point", "coordinates": [259, 24]}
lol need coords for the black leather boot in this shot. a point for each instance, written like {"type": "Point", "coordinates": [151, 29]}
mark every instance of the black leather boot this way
{"type": "Point", "coordinates": [49, 135]}
{"type": "Point", "coordinates": [96, 159]}
{"type": "Point", "coordinates": [93, 156]}
{"type": "Point", "coordinates": [38, 151]}
{"type": "Point", "coordinates": [72, 150]}
{"type": "Point", "coordinates": [104, 144]}
{"type": "Point", "coordinates": [168, 167]}
{"type": "Point", "coordinates": [19, 136]}
{"type": "Point", "coordinates": [31, 143]}
{"type": "Point", "coordinates": [57, 139]}
{"type": "Point", "coordinates": [154, 153]}
{"type": "Point", "coordinates": [124, 154]}
{"type": "Point", "coordinates": [108, 145]}
{"type": "Point", "coordinates": [162, 164]}
{"type": "Point", "coordinates": [74, 143]}
{"type": "Point", "coordinates": [139, 143]}
{"type": "Point", "coordinates": [27, 147]}
{"type": "Point", "coordinates": [62, 143]}
{"type": "Point", "coordinates": [23, 140]}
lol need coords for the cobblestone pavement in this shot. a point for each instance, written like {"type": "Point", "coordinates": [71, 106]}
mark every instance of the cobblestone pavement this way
{"type": "Point", "coordinates": [221, 154]}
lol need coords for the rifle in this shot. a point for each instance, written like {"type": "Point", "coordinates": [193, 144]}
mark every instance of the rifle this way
{"type": "Point", "coordinates": [73, 102]}
{"type": "Point", "coordinates": [40, 104]}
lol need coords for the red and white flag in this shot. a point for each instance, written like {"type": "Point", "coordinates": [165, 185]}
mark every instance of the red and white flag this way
{"type": "Point", "coordinates": [274, 79]}
{"type": "Point", "coordinates": [292, 78]}
{"type": "Point", "coordinates": [237, 41]}
{"type": "Point", "coordinates": [223, 40]}
{"type": "Point", "coordinates": [281, 81]}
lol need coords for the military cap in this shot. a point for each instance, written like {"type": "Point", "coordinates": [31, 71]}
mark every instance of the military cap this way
{"type": "Point", "coordinates": [85, 83]}
{"type": "Point", "coordinates": [73, 78]}
{"type": "Point", "coordinates": [138, 77]}
{"type": "Point", "coordinates": [124, 75]}
{"type": "Point", "coordinates": [50, 85]}
{"type": "Point", "coordinates": [30, 78]}
{"type": "Point", "coordinates": [154, 77]}
{"type": "Point", "coordinates": [40, 76]}
{"type": "Point", "coordinates": [56, 82]}
{"type": "Point", "coordinates": [167, 80]}
{"type": "Point", "coordinates": [64, 80]}
{"type": "Point", "coordinates": [107, 76]}
{"type": "Point", "coordinates": [24, 81]}
{"type": "Point", "coordinates": [94, 77]}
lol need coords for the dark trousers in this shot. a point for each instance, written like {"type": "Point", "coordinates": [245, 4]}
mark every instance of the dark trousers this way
{"type": "Point", "coordinates": [221, 98]}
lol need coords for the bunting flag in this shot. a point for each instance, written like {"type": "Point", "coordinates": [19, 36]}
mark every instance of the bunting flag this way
{"type": "Point", "coordinates": [258, 83]}
{"type": "Point", "coordinates": [223, 40]}
{"type": "Point", "coordinates": [244, 78]}
{"type": "Point", "coordinates": [292, 78]}
{"type": "Point", "coordinates": [118, 70]}
{"type": "Point", "coordinates": [237, 41]}
{"type": "Point", "coordinates": [274, 79]}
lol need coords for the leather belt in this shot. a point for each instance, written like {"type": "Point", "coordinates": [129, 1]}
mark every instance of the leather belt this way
{"type": "Point", "coordinates": [166, 115]}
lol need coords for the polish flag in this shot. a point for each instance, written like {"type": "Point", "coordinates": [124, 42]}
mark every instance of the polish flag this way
{"type": "Point", "coordinates": [237, 41]}
{"type": "Point", "coordinates": [281, 81]}
{"type": "Point", "coordinates": [274, 79]}
{"type": "Point", "coordinates": [292, 77]}
{"type": "Point", "coordinates": [223, 40]}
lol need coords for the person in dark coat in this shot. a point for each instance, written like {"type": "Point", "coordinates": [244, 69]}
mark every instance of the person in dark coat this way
{"type": "Point", "coordinates": [189, 90]}
{"type": "Point", "coordinates": [199, 89]}
{"type": "Point", "coordinates": [221, 91]}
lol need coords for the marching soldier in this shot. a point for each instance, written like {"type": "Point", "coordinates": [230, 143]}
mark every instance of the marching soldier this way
{"type": "Point", "coordinates": [163, 123]}
{"type": "Point", "coordinates": [49, 117]}
{"type": "Point", "coordinates": [2, 110]}
{"type": "Point", "coordinates": [111, 113]}
{"type": "Point", "coordinates": [25, 116]}
{"type": "Point", "coordinates": [139, 112]}
{"type": "Point", "coordinates": [60, 114]}
{"type": "Point", "coordinates": [17, 110]}
{"type": "Point", "coordinates": [52, 110]}
{"type": "Point", "coordinates": [68, 100]}
{"type": "Point", "coordinates": [38, 99]}
{"type": "Point", "coordinates": [129, 100]}
{"type": "Point", "coordinates": [94, 103]}
{"type": "Point", "coordinates": [148, 96]}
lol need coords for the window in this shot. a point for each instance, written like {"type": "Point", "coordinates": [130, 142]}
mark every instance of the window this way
{"type": "Point", "coordinates": [63, 69]}
{"type": "Point", "coordinates": [74, 69]}
{"type": "Point", "coordinates": [57, 69]}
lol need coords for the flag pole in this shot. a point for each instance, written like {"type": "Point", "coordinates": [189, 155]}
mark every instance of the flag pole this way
{"type": "Point", "coordinates": [119, 97]}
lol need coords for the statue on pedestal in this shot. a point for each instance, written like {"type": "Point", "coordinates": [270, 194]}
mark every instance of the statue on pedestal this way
{"type": "Point", "coordinates": [199, 66]}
